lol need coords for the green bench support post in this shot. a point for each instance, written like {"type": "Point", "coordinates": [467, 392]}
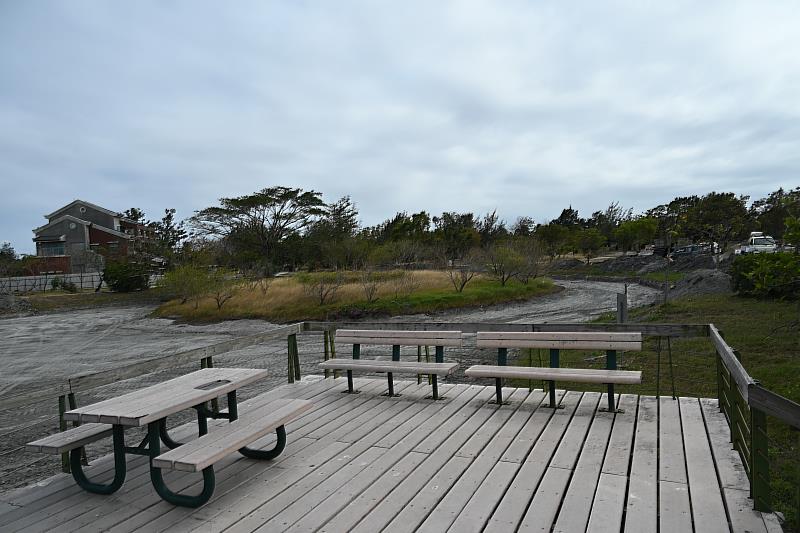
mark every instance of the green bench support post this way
{"type": "Point", "coordinates": [73, 404]}
{"type": "Point", "coordinates": [389, 377]}
{"type": "Point", "coordinates": [554, 363]}
{"type": "Point", "coordinates": [611, 364]}
{"type": "Point", "coordinates": [356, 355]}
{"type": "Point", "coordinates": [208, 362]}
{"type": "Point", "coordinates": [433, 377]}
{"type": "Point", "coordinates": [759, 449]}
{"type": "Point", "coordinates": [502, 360]}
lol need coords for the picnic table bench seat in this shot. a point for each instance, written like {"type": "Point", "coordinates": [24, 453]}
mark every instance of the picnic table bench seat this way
{"type": "Point", "coordinates": [70, 439]}
{"type": "Point", "coordinates": [556, 341]}
{"type": "Point", "coordinates": [395, 339]}
{"type": "Point", "coordinates": [226, 437]}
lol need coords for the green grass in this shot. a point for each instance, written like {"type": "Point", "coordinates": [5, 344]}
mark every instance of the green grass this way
{"type": "Point", "coordinates": [765, 334]}
{"type": "Point", "coordinates": [288, 303]}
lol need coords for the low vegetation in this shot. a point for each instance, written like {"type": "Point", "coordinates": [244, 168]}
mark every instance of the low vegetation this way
{"type": "Point", "coordinates": [329, 295]}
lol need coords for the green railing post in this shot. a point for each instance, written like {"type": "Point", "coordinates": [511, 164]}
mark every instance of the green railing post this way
{"type": "Point", "coordinates": [62, 426]}
{"type": "Point", "coordinates": [290, 365]}
{"type": "Point", "coordinates": [296, 356]}
{"type": "Point", "coordinates": [719, 378]}
{"type": "Point", "coordinates": [759, 463]}
{"type": "Point", "coordinates": [611, 364]}
{"type": "Point", "coordinates": [332, 340]}
{"type": "Point", "coordinates": [325, 340]}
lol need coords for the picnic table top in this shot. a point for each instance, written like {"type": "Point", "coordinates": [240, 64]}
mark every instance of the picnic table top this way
{"type": "Point", "coordinates": [153, 403]}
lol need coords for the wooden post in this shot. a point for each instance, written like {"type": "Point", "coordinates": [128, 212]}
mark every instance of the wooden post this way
{"type": "Point", "coordinates": [332, 340]}
{"type": "Point", "coordinates": [622, 307]}
{"type": "Point", "coordinates": [296, 357]}
{"type": "Point", "coordinates": [759, 462]}
{"type": "Point", "coordinates": [325, 340]}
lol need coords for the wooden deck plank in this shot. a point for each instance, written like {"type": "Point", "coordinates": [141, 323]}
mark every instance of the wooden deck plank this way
{"type": "Point", "coordinates": [577, 504]}
{"type": "Point", "coordinates": [733, 480]}
{"type": "Point", "coordinates": [386, 510]}
{"type": "Point", "coordinates": [642, 504]}
{"type": "Point", "coordinates": [519, 449]}
{"type": "Point", "coordinates": [543, 509]}
{"type": "Point", "coordinates": [618, 456]}
{"type": "Point", "coordinates": [512, 508]}
{"type": "Point", "coordinates": [483, 440]}
{"type": "Point", "coordinates": [674, 515]}
{"type": "Point", "coordinates": [462, 500]}
{"type": "Point", "coordinates": [672, 463]}
{"type": "Point", "coordinates": [708, 511]}
{"type": "Point", "coordinates": [608, 504]}
{"type": "Point", "coordinates": [379, 491]}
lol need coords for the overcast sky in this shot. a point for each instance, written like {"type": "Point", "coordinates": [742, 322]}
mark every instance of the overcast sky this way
{"type": "Point", "coordinates": [523, 107]}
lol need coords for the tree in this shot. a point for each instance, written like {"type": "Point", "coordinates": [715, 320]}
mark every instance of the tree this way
{"type": "Point", "coordinates": [632, 234]}
{"type": "Point", "coordinates": [720, 217]}
{"type": "Point", "coordinates": [554, 238]}
{"type": "Point", "coordinates": [523, 227]}
{"type": "Point", "coordinates": [504, 262]}
{"type": "Point", "coordinates": [530, 249]}
{"type": "Point", "coordinates": [491, 229]}
{"type": "Point", "coordinates": [607, 221]}
{"type": "Point", "coordinates": [167, 235]}
{"type": "Point", "coordinates": [134, 214]}
{"type": "Point", "coordinates": [589, 241]}
{"type": "Point", "coordinates": [457, 234]}
{"type": "Point", "coordinates": [770, 213]}
{"type": "Point", "coordinates": [569, 218]}
{"type": "Point", "coordinates": [257, 224]}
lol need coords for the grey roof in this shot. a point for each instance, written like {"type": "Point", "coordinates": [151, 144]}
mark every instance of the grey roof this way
{"type": "Point", "coordinates": [87, 204]}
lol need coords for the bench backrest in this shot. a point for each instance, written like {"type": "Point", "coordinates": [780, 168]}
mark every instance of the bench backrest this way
{"type": "Point", "coordinates": [561, 340]}
{"type": "Point", "coordinates": [398, 337]}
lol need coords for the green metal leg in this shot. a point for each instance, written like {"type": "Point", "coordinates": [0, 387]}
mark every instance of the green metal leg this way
{"type": "Point", "coordinates": [119, 466]}
{"type": "Point", "coordinates": [157, 479]}
{"type": "Point", "coordinates": [165, 438]}
{"type": "Point", "coordinates": [435, 386]}
{"type": "Point", "coordinates": [267, 454]}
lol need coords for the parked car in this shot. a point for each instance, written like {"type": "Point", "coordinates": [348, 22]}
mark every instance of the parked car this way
{"type": "Point", "coordinates": [692, 249]}
{"type": "Point", "coordinates": [758, 243]}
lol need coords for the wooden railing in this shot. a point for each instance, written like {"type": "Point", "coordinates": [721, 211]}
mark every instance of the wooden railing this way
{"type": "Point", "coordinates": [746, 405]}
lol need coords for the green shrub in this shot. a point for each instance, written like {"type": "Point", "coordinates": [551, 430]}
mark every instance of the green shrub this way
{"type": "Point", "coordinates": [767, 275]}
{"type": "Point", "coordinates": [126, 276]}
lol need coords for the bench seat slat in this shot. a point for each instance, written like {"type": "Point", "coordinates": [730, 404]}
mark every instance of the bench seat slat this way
{"type": "Point", "coordinates": [226, 438]}
{"type": "Point", "coordinates": [629, 341]}
{"type": "Point", "coordinates": [70, 439]}
{"type": "Point", "coordinates": [407, 367]}
{"type": "Point", "coordinates": [399, 337]}
{"type": "Point", "coordinates": [582, 375]}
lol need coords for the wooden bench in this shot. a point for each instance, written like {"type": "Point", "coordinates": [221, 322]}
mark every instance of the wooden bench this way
{"type": "Point", "coordinates": [395, 339]}
{"type": "Point", "coordinates": [556, 341]}
{"type": "Point", "coordinates": [70, 439]}
{"type": "Point", "coordinates": [225, 437]}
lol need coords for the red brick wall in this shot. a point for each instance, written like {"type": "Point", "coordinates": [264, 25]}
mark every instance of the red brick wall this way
{"type": "Point", "coordinates": [58, 263]}
{"type": "Point", "coordinates": [104, 241]}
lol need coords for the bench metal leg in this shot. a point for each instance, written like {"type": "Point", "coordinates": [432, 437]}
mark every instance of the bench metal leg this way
{"type": "Point", "coordinates": [157, 479]}
{"type": "Point", "coordinates": [280, 431]}
{"type": "Point", "coordinates": [119, 466]}
{"type": "Point", "coordinates": [165, 438]}
{"type": "Point", "coordinates": [350, 389]}
{"type": "Point", "coordinates": [552, 387]}
{"type": "Point", "coordinates": [498, 385]}
{"type": "Point", "coordinates": [390, 379]}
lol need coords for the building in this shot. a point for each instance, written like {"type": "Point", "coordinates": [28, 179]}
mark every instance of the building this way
{"type": "Point", "coordinates": [79, 235]}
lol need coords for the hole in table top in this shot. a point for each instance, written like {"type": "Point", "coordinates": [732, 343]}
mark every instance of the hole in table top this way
{"type": "Point", "coordinates": [213, 384]}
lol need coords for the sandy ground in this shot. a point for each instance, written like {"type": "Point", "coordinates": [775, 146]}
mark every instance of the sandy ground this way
{"type": "Point", "coordinates": [43, 349]}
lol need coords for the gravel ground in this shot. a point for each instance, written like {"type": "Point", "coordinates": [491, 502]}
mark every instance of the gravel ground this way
{"type": "Point", "coordinates": [44, 349]}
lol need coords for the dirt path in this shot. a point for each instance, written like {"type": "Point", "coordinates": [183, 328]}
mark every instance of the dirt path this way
{"type": "Point", "coordinates": [43, 349]}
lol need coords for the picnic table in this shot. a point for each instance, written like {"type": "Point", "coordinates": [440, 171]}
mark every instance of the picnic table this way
{"type": "Point", "coordinates": [151, 406]}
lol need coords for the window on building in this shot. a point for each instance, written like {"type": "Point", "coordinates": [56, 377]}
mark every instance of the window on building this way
{"type": "Point", "coordinates": [48, 249]}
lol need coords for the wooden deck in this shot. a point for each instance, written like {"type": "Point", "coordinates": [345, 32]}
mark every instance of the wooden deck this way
{"type": "Point", "coordinates": [368, 463]}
